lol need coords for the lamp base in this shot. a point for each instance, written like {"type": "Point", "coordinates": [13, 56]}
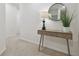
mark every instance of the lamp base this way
{"type": "Point", "coordinates": [43, 28]}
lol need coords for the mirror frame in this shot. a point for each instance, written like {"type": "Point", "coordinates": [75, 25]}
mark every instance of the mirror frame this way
{"type": "Point", "coordinates": [54, 5]}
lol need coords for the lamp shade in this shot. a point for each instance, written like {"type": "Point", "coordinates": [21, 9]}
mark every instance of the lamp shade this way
{"type": "Point", "coordinates": [44, 14]}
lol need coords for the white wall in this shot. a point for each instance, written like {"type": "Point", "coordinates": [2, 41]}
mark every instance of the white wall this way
{"type": "Point", "coordinates": [30, 20]}
{"type": "Point", "coordinates": [2, 28]}
{"type": "Point", "coordinates": [30, 23]}
{"type": "Point", "coordinates": [11, 20]}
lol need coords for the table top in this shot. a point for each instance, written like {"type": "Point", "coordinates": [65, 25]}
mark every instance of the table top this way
{"type": "Point", "coordinates": [56, 33]}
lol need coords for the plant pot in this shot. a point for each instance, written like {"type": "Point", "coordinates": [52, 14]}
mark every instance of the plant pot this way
{"type": "Point", "coordinates": [66, 29]}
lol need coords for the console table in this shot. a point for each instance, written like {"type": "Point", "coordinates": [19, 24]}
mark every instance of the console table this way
{"type": "Point", "coordinates": [61, 34]}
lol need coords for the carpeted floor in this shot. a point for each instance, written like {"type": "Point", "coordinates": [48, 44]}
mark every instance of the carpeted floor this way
{"type": "Point", "coordinates": [18, 47]}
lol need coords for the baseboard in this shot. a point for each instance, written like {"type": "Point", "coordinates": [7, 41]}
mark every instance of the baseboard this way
{"type": "Point", "coordinates": [3, 51]}
{"type": "Point", "coordinates": [25, 39]}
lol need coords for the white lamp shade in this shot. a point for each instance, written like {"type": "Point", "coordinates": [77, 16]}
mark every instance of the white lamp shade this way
{"type": "Point", "coordinates": [44, 14]}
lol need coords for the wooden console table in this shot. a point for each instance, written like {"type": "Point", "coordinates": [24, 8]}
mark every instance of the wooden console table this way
{"type": "Point", "coordinates": [65, 35]}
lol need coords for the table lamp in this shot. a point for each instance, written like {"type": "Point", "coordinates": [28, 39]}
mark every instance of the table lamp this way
{"type": "Point", "coordinates": [43, 15]}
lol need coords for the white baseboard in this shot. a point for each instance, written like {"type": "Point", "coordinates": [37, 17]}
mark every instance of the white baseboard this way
{"type": "Point", "coordinates": [25, 39]}
{"type": "Point", "coordinates": [4, 49]}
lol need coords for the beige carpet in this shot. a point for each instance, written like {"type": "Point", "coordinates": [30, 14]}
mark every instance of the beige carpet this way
{"type": "Point", "coordinates": [18, 47]}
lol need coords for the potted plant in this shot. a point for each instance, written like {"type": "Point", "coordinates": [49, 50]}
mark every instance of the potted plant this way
{"type": "Point", "coordinates": [66, 20]}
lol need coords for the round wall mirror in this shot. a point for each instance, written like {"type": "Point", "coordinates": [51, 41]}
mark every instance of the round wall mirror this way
{"type": "Point", "coordinates": [55, 11]}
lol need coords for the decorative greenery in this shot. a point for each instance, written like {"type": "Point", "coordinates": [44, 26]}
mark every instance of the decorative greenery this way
{"type": "Point", "coordinates": [65, 18]}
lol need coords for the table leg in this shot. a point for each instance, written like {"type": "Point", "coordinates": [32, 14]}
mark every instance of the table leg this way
{"type": "Point", "coordinates": [40, 42]}
{"type": "Point", "coordinates": [68, 47]}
